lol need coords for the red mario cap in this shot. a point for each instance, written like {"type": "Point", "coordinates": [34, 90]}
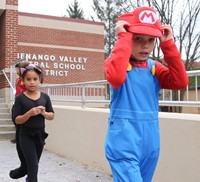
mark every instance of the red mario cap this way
{"type": "Point", "coordinates": [143, 20]}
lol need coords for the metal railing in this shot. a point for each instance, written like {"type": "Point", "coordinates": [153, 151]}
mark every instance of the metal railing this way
{"type": "Point", "coordinates": [12, 90]}
{"type": "Point", "coordinates": [166, 99]}
{"type": "Point", "coordinates": [84, 92]}
{"type": "Point", "coordinates": [98, 92]}
{"type": "Point", "coordinates": [10, 84]}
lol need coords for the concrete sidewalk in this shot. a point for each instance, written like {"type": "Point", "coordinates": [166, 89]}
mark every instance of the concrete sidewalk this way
{"type": "Point", "coordinates": [53, 168]}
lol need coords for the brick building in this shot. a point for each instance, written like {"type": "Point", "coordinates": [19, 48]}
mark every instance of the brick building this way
{"type": "Point", "coordinates": [69, 50]}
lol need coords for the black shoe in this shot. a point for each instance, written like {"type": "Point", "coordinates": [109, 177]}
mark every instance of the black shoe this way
{"type": "Point", "coordinates": [13, 141]}
{"type": "Point", "coordinates": [17, 173]}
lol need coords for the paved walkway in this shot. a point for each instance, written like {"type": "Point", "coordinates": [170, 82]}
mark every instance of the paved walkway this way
{"type": "Point", "coordinates": [53, 168]}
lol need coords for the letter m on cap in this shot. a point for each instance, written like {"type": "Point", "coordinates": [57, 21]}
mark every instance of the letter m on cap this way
{"type": "Point", "coordinates": [147, 16]}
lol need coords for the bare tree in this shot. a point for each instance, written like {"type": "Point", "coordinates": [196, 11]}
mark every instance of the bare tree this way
{"type": "Point", "coordinates": [108, 13]}
{"type": "Point", "coordinates": [183, 16]}
{"type": "Point", "coordinates": [189, 34]}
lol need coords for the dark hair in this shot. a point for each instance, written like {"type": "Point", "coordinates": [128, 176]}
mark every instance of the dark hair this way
{"type": "Point", "coordinates": [17, 65]}
{"type": "Point", "coordinates": [25, 67]}
{"type": "Point", "coordinates": [19, 62]}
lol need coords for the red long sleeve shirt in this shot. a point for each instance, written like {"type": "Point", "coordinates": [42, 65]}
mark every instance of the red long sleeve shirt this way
{"type": "Point", "coordinates": [173, 76]}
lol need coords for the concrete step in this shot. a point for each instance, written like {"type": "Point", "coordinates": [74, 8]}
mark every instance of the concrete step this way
{"type": "Point", "coordinates": [7, 135]}
{"type": "Point", "coordinates": [4, 110]}
{"type": "Point", "coordinates": [7, 127]}
{"type": "Point", "coordinates": [2, 100]}
{"type": "Point", "coordinates": [5, 115]}
{"type": "Point", "coordinates": [3, 105]}
{"type": "Point", "coordinates": [5, 121]}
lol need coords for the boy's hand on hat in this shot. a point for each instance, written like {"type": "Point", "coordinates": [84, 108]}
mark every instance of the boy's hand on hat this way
{"type": "Point", "coordinates": [121, 26]}
{"type": "Point", "coordinates": [167, 33]}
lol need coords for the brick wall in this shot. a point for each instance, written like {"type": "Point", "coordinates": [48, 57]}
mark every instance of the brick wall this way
{"type": "Point", "coordinates": [69, 50]}
{"type": "Point", "coordinates": [8, 37]}
{"type": "Point", "coordinates": [2, 39]}
{"type": "Point", "coordinates": [77, 55]}
{"type": "Point", "coordinates": [89, 71]}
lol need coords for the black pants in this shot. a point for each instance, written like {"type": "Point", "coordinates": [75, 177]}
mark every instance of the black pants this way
{"type": "Point", "coordinates": [31, 145]}
{"type": "Point", "coordinates": [19, 151]}
{"type": "Point", "coordinates": [23, 166]}
{"type": "Point", "coordinates": [22, 170]}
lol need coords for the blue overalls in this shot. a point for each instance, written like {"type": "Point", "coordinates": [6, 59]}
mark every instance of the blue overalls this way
{"type": "Point", "coordinates": [133, 139]}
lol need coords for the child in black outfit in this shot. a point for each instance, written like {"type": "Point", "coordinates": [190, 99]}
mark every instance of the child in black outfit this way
{"type": "Point", "coordinates": [20, 87]}
{"type": "Point", "coordinates": [31, 108]}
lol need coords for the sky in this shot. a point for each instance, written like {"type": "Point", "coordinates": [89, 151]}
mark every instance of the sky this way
{"type": "Point", "coordinates": [53, 7]}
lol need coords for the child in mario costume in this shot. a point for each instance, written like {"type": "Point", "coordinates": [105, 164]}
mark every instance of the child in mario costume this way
{"type": "Point", "coordinates": [133, 139]}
